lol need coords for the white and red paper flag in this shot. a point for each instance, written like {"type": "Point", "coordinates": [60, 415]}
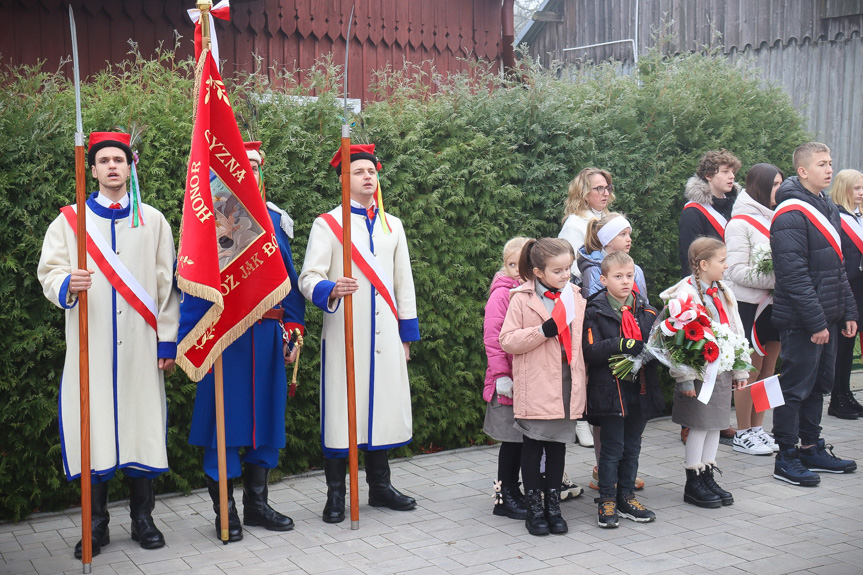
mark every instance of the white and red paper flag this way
{"type": "Point", "coordinates": [767, 394]}
{"type": "Point", "coordinates": [563, 314]}
{"type": "Point", "coordinates": [229, 267]}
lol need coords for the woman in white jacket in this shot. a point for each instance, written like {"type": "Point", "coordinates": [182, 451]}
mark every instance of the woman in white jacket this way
{"type": "Point", "coordinates": [589, 197]}
{"type": "Point", "coordinates": [747, 238]}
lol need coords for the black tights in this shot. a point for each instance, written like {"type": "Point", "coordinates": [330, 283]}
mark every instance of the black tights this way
{"type": "Point", "coordinates": [531, 454]}
{"type": "Point", "coordinates": [509, 463]}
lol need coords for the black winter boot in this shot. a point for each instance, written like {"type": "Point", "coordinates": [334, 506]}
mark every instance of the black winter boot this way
{"type": "Point", "coordinates": [256, 510]}
{"type": "Point", "coordinates": [709, 480]}
{"type": "Point", "coordinates": [381, 490]}
{"type": "Point", "coordinates": [698, 494]}
{"type": "Point", "coordinates": [235, 529]}
{"type": "Point", "coordinates": [841, 407]}
{"type": "Point", "coordinates": [100, 518]}
{"type": "Point", "coordinates": [334, 472]}
{"type": "Point", "coordinates": [854, 403]}
{"type": "Point", "coordinates": [142, 501]}
{"type": "Point", "coordinates": [556, 523]}
{"type": "Point", "coordinates": [535, 522]}
{"type": "Point", "coordinates": [509, 504]}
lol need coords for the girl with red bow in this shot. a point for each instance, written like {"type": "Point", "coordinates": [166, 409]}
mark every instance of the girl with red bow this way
{"type": "Point", "coordinates": [705, 420]}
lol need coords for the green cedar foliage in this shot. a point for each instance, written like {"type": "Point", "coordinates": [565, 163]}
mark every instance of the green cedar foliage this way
{"type": "Point", "coordinates": [467, 165]}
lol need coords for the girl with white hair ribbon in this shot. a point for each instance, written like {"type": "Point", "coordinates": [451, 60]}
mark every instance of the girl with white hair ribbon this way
{"type": "Point", "coordinates": [611, 233]}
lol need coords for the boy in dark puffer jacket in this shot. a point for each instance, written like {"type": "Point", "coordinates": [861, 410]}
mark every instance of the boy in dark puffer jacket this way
{"type": "Point", "coordinates": [812, 300]}
{"type": "Point", "coordinates": [618, 321]}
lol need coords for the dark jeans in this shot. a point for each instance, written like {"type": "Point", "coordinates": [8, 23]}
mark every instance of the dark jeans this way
{"type": "Point", "coordinates": [844, 360]}
{"type": "Point", "coordinates": [620, 446]}
{"type": "Point", "coordinates": [807, 374]}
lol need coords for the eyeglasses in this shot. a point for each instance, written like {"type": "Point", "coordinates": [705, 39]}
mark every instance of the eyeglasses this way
{"type": "Point", "coordinates": [603, 190]}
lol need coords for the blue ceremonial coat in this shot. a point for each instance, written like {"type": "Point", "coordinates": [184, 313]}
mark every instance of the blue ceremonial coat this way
{"type": "Point", "coordinates": [255, 376]}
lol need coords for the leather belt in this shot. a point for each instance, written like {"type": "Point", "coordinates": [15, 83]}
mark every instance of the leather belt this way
{"type": "Point", "coordinates": [274, 313]}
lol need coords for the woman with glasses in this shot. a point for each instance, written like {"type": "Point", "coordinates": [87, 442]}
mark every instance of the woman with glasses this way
{"type": "Point", "coordinates": [590, 195]}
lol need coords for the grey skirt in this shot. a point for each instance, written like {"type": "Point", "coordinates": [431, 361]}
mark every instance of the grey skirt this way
{"type": "Point", "coordinates": [716, 415]}
{"type": "Point", "coordinates": [499, 422]}
{"type": "Point", "coordinates": [557, 430]}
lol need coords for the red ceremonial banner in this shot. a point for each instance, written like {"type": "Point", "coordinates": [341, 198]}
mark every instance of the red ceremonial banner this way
{"type": "Point", "coordinates": [229, 267]}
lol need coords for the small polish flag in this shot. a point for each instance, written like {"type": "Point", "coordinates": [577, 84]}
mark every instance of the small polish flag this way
{"type": "Point", "coordinates": [766, 394]}
{"type": "Point", "coordinates": [563, 314]}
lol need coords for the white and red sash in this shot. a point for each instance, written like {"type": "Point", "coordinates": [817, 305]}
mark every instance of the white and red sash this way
{"type": "Point", "coordinates": [364, 259]}
{"type": "Point", "coordinates": [760, 223]}
{"type": "Point", "coordinates": [817, 219]}
{"type": "Point", "coordinates": [852, 228]}
{"type": "Point", "coordinates": [716, 219]}
{"type": "Point", "coordinates": [117, 274]}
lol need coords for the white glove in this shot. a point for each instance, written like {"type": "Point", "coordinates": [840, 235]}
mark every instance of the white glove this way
{"type": "Point", "coordinates": [504, 386]}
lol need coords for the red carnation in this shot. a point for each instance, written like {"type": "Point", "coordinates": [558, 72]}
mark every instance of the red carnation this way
{"type": "Point", "coordinates": [694, 331]}
{"type": "Point", "coordinates": [710, 351]}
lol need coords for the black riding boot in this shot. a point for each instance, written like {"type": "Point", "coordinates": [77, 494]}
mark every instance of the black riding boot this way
{"type": "Point", "coordinates": [99, 520]}
{"type": "Point", "coordinates": [709, 481]}
{"type": "Point", "coordinates": [510, 503]}
{"type": "Point", "coordinates": [256, 510]}
{"type": "Point", "coordinates": [381, 490]}
{"type": "Point", "coordinates": [556, 523]}
{"type": "Point", "coordinates": [698, 494]}
{"type": "Point", "coordinates": [142, 501]}
{"type": "Point", "coordinates": [535, 522]}
{"type": "Point", "coordinates": [235, 530]}
{"type": "Point", "coordinates": [334, 471]}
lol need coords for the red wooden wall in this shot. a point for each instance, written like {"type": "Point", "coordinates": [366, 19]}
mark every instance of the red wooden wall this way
{"type": "Point", "coordinates": [290, 34]}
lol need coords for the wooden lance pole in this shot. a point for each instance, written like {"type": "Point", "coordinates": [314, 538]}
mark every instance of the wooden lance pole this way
{"type": "Point", "coordinates": [83, 338]}
{"type": "Point", "coordinates": [353, 456]}
{"type": "Point", "coordinates": [218, 375]}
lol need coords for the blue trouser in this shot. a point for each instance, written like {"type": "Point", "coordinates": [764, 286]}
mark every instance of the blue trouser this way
{"type": "Point", "coordinates": [263, 456]}
{"type": "Point", "coordinates": [620, 446]}
{"type": "Point", "coordinates": [807, 374]}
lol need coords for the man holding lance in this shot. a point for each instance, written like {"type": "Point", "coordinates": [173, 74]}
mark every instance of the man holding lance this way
{"type": "Point", "coordinates": [133, 317]}
{"type": "Point", "coordinates": [386, 322]}
{"type": "Point", "coordinates": [255, 394]}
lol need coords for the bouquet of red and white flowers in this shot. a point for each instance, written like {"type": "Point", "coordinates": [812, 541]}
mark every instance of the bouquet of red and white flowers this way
{"type": "Point", "coordinates": [686, 338]}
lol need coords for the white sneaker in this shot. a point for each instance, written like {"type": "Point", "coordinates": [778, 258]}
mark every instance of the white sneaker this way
{"type": "Point", "coordinates": [767, 440]}
{"type": "Point", "coordinates": [751, 444]}
{"type": "Point", "coordinates": [583, 433]}
{"type": "Point", "coordinates": [568, 489]}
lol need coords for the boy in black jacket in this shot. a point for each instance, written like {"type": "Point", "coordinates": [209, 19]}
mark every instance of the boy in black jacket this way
{"type": "Point", "coordinates": [618, 321]}
{"type": "Point", "coordinates": [811, 302]}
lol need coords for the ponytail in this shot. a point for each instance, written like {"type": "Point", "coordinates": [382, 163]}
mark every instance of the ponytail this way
{"type": "Point", "coordinates": [525, 267]}
{"type": "Point", "coordinates": [536, 253]}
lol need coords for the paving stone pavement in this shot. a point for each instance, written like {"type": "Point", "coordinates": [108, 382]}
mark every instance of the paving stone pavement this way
{"type": "Point", "coordinates": [773, 528]}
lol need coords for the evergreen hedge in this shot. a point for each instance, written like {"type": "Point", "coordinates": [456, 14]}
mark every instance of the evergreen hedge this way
{"type": "Point", "coordinates": [466, 166]}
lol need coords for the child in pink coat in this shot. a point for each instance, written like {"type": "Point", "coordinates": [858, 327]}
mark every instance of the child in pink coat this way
{"type": "Point", "coordinates": [543, 329]}
{"type": "Point", "coordinates": [499, 422]}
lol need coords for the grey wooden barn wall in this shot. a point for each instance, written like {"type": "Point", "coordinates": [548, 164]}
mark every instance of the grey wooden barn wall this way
{"type": "Point", "coordinates": [812, 48]}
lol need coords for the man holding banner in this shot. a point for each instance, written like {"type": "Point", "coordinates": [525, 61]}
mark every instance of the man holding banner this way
{"type": "Point", "coordinates": [386, 322]}
{"type": "Point", "coordinates": [133, 317]}
{"type": "Point", "coordinates": [256, 391]}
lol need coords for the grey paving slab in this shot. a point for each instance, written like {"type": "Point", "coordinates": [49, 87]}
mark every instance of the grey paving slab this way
{"type": "Point", "coordinates": [773, 527]}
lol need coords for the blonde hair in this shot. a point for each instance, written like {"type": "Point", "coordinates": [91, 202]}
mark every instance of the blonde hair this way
{"type": "Point", "coordinates": [702, 249]}
{"type": "Point", "coordinates": [512, 246]}
{"type": "Point", "coordinates": [804, 153]}
{"type": "Point", "coordinates": [615, 259]}
{"type": "Point", "coordinates": [842, 190]}
{"type": "Point", "coordinates": [591, 236]}
{"type": "Point", "coordinates": [579, 188]}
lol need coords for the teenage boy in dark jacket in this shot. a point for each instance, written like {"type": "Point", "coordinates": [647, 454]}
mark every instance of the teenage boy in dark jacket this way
{"type": "Point", "coordinates": [618, 321]}
{"type": "Point", "coordinates": [811, 302]}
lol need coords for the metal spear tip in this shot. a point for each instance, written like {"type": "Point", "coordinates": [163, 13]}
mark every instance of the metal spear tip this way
{"type": "Point", "coordinates": [204, 4]}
